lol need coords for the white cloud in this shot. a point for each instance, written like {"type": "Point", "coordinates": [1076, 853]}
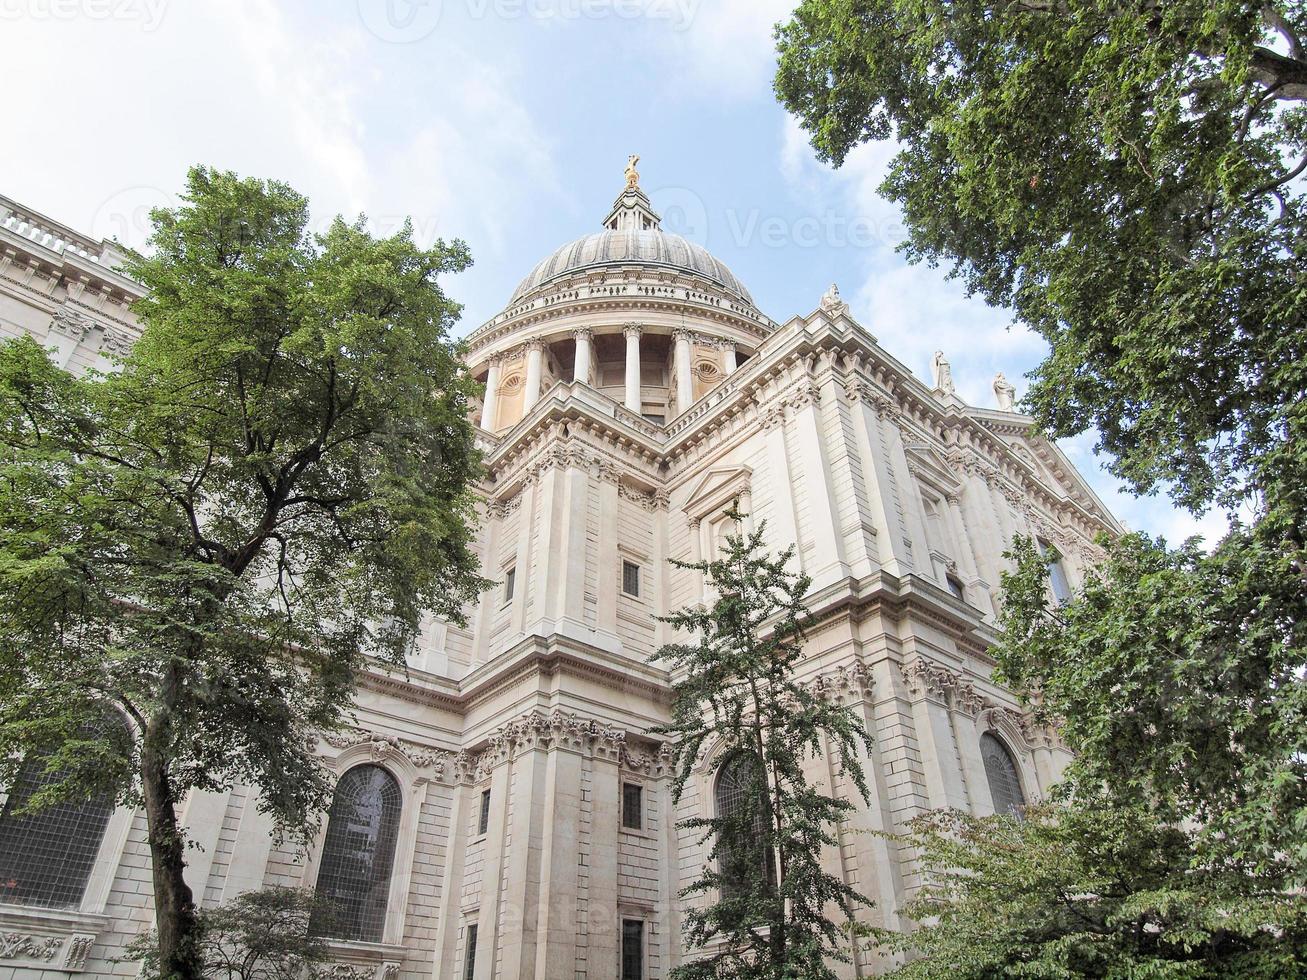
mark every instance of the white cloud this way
{"type": "Point", "coordinates": [728, 44]}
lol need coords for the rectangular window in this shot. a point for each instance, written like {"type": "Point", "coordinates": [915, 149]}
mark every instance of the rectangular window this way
{"type": "Point", "coordinates": [470, 953]}
{"type": "Point", "coordinates": [510, 582]}
{"type": "Point", "coordinates": [483, 819]}
{"type": "Point", "coordinates": [955, 586]}
{"type": "Point", "coordinates": [632, 949]}
{"type": "Point", "coordinates": [1056, 573]}
{"type": "Point", "coordinates": [632, 806]}
{"type": "Point", "coordinates": [631, 578]}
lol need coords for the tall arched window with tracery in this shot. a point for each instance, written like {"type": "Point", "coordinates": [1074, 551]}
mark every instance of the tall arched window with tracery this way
{"type": "Point", "coordinates": [46, 856]}
{"type": "Point", "coordinates": [1001, 774]}
{"type": "Point", "coordinates": [741, 791]}
{"type": "Point", "coordinates": [358, 855]}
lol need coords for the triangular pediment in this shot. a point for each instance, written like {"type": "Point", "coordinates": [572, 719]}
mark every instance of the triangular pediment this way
{"type": "Point", "coordinates": [716, 489]}
{"type": "Point", "coordinates": [928, 463]}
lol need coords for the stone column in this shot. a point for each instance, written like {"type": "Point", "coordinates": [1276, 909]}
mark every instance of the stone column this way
{"type": "Point", "coordinates": [606, 589]}
{"type": "Point", "coordinates": [783, 525]}
{"type": "Point", "coordinates": [684, 377]}
{"type": "Point", "coordinates": [828, 564]}
{"type": "Point", "coordinates": [602, 928]}
{"type": "Point", "coordinates": [490, 403]}
{"type": "Point", "coordinates": [728, 357]}
{"type": "Point", "coordinates": [535, 352]}
{"type": "Point", "coordinates": [556, 924]}
{"type": "Point", "coordinates": [581, 370]}
{"type": "Point", "coordinates": [967, 556]}
{"type": "Point", "coordinates": [633, 400]}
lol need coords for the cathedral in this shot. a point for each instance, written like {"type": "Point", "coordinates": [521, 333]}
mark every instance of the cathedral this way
{"type": "Point", "coordinates": [503, 811]}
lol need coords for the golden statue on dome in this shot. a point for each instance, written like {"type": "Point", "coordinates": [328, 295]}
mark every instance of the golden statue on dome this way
{"type": "Point", "coordinates": [632, 175]}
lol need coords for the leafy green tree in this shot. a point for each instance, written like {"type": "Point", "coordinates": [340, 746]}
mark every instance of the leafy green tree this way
{"type": "Point", "coordinates": [1126, 178]}
{"type": "Point", "coordinates": [765, 898]}
{"type": "Point", "coordinates": [260, 935]}
{"type": "Point", "coordinates": [216, 539]}
{"type": "Point", "coordinates": [1177, 677]}
{"type": "Point", "coordinates": [1086, 891]}
{"type": "Point", "coordinates": [1130, 181]}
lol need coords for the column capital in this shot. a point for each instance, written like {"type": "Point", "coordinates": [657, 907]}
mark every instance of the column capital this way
{"type": "Point", "coordinates": [683, 334]}
{"type": "Point", "coordinates": [532, 346]}
{"type": "Point", "coordinates": [632, 329]}
{"type": "Point", "coordinates": [582, 333]}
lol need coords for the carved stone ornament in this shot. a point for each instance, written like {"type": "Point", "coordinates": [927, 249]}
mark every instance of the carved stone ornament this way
{"type": "Point", "coordinates": [844, 681]}
{"type": "Point", "coordinates": [71, 323]}
{"type": "Point", "coordinates": [927, 679]}
{"type": "Point", "coordinates": [24, 946]}
{"type": "Point", "coordinates": [382, 747]}
{"type": "Point", "coordinates": [78, 949]}
{"type": "Point", "coordinates": [557, 729]}
{"type": "Point", "coordinates": [347, 971]}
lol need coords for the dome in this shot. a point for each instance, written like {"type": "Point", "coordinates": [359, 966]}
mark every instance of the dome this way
{"type": "Point", "coordinates": [632, 235]}
{"type": "Point", "coordinates": [626, 246]}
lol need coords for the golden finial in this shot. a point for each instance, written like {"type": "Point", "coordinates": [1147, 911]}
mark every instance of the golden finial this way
{"type": "Point", "coordinates": [632, 175]}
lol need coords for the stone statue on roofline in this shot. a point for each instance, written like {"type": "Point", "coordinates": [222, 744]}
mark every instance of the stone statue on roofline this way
{"type": "Point", "coordinates": [831, 302]}
{"type": "Point", "coordinates": [943, 373]}
{"type": "Point", "coordinates": [1005, 393]}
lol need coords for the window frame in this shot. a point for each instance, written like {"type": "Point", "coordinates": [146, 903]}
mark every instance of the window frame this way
{"type": "Point", "coordinates": [624, 920]}
{"type": "Point", "coordinates": [99, 882]}
{"type": "Point", "coordinates": [719, 771]}
{"type": "Point", "coordinates": [510, 585]}
{"type": "Point", "coordinates": [470, 939]}
{"type": "Point", "coordinates": [1059, 583]}
{"type": "Point", "coordinates": [411, 783]}
{"type": "Point", "coordinates": [635, 568]}
{"type": "Point", "coordinates": [639, 827]}
{"type": "Point", "coordinates": [386, 916]}
{"type": "Point", "coordinates": [955, 587]}
{"type": "Point", "coordinates": [483, 814]}
{"type": "Point", "coordinates": [996, 738]}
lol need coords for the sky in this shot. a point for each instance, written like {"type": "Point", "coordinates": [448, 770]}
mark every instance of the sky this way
{"type": "Point", "coordinates": [506, 123]}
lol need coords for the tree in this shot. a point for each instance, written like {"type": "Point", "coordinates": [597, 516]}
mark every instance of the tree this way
{"type": "Point", "coordinates": [217, 539]}
{"type": "Point", "coordinates": [260, 935]}
{"type": "Point", "coordinates": [1176, 677]}
{"type": "Point", "coordinates": [736, 700]}
{"type": "Point", "coordinates": [1129, 181]}
{"type": "Point", "coordinates": [1086, 891]}
{"type": "Point", "coordinates": [1126, 179]}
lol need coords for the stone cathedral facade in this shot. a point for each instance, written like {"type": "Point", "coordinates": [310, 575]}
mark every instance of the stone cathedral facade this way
{"type": "Point", "coordinates": [502, 811]}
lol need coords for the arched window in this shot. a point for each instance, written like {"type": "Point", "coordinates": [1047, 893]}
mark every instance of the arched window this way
{"type": "Point", "coordinates": [741, 791]}
{"type": "Point", "coordinates": [354, 874]}
{"type": "Point", "coordinates": [46, 856]}
{"type": "Point", "coordinates": [1001, 773]}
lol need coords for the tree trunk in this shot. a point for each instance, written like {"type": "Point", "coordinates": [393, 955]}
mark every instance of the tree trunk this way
{"type": "Point", "coordinates": [174, 906]}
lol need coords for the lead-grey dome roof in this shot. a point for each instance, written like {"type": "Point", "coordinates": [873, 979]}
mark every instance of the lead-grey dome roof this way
{"type": "Point", "coordinates": [651, 247]}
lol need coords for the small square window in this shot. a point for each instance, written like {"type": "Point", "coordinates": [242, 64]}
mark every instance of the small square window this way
{"type": "Point", "coordinates": [955, 586]}
{"type": "Point", "coordinates": [470, 953]}
{"type": "Point", "coordinates": [632, 949]}
{"type": "Point", "coordinates": [632, 806]}
{"type": "Point", "coordinates": [483, 818]}
{"type": "Point", "coordinates": [510, 583]}
{"type": "Point", "coordinates": [631, 578]}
